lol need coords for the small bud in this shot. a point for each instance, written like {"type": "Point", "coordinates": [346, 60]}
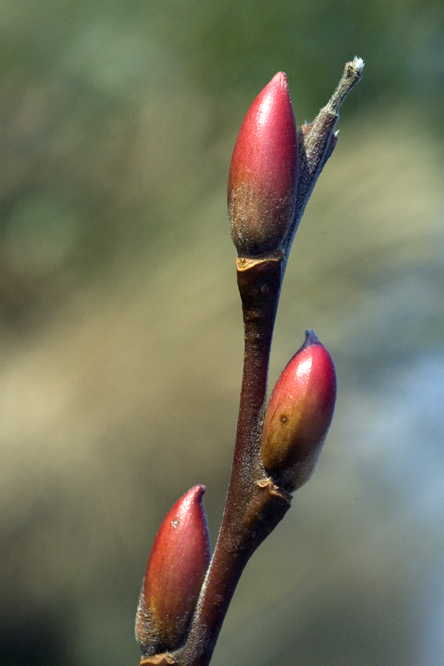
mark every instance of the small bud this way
{"type": "Point", "coordinates": [174, 575]}
{"type": "Point", "coordinates": [263, 173]}
{"type": "Point", "coordinates": [299, 415]}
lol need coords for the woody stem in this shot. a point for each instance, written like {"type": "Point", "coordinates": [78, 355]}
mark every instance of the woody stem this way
{"type": "Point", "coordinates": [254, 506]}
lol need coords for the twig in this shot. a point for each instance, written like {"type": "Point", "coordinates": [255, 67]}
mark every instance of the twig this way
{"type": "Point", "coordinates": [255, 505]}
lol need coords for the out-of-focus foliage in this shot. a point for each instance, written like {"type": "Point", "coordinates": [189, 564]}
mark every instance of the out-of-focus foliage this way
{"type": "Point", "coordinates": [120, 327]}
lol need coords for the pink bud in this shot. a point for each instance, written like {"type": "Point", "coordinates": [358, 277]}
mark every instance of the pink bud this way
{"type": "Point", "coordinates": [299, 415]}
{"type": "Point", "coordinates": [263, 173]}
{"type": "Point", "coordinates": [174, 575]}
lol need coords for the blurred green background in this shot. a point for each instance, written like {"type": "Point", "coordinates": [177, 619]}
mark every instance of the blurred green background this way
{"type": "Point", "coordinates": [120, 326]}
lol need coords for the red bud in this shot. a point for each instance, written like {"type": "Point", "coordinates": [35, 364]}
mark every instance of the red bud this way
{"type": "Point", "coordinates": [299, 415]}
{"type": "Point", "coordinates": [263, 173]}
{"type": "Point", "coordinates": [174, 575]}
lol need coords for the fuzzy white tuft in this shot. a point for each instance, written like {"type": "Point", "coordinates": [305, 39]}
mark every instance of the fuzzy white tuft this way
{"type": "Point", "coordinates": [358, 64]}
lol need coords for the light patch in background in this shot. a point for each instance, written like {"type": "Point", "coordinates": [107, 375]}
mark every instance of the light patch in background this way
{"type": "Point", "coordinates": [395, 433]}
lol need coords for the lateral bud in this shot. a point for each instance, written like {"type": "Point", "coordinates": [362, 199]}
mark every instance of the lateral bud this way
{"type": "Point", "coordinates": [299, 415]}
{"type": "Point", "coordinates": [263, 174]}
{"type": "Point", "coordinates": [174, 576]}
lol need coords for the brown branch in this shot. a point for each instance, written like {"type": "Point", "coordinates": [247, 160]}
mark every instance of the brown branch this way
{"type": "Point", "coordinates": [254, 504]}
{"type": "Point", "coordinates": [317, 141]}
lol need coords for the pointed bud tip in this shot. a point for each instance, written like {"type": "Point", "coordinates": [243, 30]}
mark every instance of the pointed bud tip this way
{"type": "Point", "coordinates": [281, 79]}
{"type": "Point", "coordinates": [310, 338]}
{"type": "Point", "coordinates": [195, 493]}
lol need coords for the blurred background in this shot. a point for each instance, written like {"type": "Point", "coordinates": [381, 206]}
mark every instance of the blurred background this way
{"type": "Point", "coordinates": [120, 325]}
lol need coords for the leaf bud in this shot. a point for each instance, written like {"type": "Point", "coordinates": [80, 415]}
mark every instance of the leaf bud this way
{"type": "Point", "coordinates": [263, 174]}
{"type": "Point", "coordinates": [174, 575]}
{"type": "Point", "coordinates": [299, 415]}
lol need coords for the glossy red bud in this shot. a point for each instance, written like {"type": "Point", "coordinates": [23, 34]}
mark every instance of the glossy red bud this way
{"type": "Point", "coordinates": [299, 415]}
{"type": "Point", "coordinates": [263, 173]}
{"type": "Point", "coordinates": [174, 575]}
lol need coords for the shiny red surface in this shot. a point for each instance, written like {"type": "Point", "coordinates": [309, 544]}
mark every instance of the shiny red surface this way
{"type": "Point", "coordinates": [263, 174]}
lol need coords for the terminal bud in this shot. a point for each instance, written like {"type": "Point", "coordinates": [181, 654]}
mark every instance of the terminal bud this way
{"type": "Point", "coordinates": [263, 174]}
{"type": "Point", "coordinates": [174, 576]}
{"type": "Point", "coordinates": [299, 415]}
